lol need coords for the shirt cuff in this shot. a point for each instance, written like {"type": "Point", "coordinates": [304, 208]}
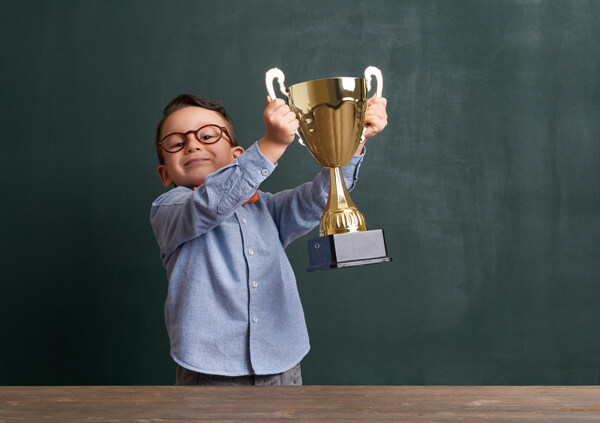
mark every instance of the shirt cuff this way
{"type": "Point", "coordinates": [255, 164]}
{"type": "Point", "coordinates": [360, 157]}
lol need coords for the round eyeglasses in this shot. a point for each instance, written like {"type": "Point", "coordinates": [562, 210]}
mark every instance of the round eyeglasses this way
{"type": "Point", "coordinates": [207, 134]}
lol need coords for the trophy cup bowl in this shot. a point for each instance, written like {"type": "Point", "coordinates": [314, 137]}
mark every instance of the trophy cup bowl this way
{"type": "Point", "coordinates": [331, 112]}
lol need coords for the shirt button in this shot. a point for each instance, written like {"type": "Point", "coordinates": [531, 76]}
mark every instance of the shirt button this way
{"type": "Point", "coordinates": [264, 172]}
{"type": "Point", "coordinates": [255, 319]}
{"type": "Point", "coordinates": [255, 284]}
{"type": "Point", "coordinates": [244, 220]}
{"type": "Point", "coordinates": [251, 251]}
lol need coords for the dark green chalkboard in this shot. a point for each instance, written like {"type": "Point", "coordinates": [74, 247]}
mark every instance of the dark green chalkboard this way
{"type": "Point", "coordinates": [486, 182]}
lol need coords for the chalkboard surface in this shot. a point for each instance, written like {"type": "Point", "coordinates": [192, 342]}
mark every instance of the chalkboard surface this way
{"type": "Point", "coordinates": [486, 183]}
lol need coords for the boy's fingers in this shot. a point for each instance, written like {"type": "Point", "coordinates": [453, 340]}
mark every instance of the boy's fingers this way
{"type": "Point", "coordinates": [376, 107]}
{"type": "Point", "coordinates": [275, 105]}
{"type": "Point", "coordinates": [376, 110]}
{"type": "Point", "coordinates": [291, 121]}
{"type": "Point", "coordinates": [288, 115]}
{"type": "Point", "coordinates": [270, 103]}
{"type": "Point", "coordinates": [376, 119]}
{"type": "Point", "coordinates": [377, 100]}
{"type": "Point", "coordinates": [282, 113]}
{"type": "Point", "coordinates": [376, 114]}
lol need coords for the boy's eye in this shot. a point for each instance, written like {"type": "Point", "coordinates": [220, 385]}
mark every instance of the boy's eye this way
{"type": "Point", "coordinates": [209, 134]}
{"type": "Point", "coordinates": [174, 142]}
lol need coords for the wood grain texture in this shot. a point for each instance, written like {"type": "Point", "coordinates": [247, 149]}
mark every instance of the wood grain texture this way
{"type": "Point", "coordinates": [307, 403]}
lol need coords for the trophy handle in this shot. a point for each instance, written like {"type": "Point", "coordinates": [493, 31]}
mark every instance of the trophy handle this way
{"type": "Point", "coordinates": [269, 77]}
{"type": "Point", "coordinates": [276, 73]}
{"type": "Point", "coordinates": [371, 72]}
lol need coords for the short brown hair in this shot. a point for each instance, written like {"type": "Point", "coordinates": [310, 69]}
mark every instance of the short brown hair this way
{"type": "Point", "coordinates": [187, 100]}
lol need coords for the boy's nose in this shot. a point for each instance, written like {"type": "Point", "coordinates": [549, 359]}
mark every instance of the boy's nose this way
{"type": "Point", "coordinates": [192, 143]}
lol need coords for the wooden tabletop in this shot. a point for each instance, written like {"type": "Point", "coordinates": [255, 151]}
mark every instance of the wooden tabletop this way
{"type": "Point", "coordinates": [306, 403]}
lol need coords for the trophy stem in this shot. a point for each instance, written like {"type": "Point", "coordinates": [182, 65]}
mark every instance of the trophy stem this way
{"type": "Point", "coordinates": [341, 215]}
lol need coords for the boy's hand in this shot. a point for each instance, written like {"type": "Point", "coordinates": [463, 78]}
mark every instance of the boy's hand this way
{"type": "Point", "coordinates": [375, 119]}
{"type": "Point", "coordinates": [280, 122]}
{"type": "Point", "coordinates": [280, 128]}
{"type": "Point", "coordinates": [375, 116]}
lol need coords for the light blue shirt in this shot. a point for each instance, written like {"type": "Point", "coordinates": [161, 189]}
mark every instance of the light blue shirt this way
{"type": "Point", "coordinates": [232, 306]}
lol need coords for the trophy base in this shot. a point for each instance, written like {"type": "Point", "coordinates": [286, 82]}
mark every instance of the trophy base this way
{"type": "Point", "coordinates": [347, 250]}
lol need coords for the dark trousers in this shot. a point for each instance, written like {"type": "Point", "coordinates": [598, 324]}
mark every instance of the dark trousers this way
{"type": "Point", "coordinates": [189, 377]}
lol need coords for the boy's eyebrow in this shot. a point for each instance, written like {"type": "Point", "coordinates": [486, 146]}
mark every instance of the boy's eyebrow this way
{"type": "Point", "coordinates": [194, 128]}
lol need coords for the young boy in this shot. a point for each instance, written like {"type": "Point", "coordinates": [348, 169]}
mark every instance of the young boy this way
{"type": "Point", "coordinates": [233, 313]}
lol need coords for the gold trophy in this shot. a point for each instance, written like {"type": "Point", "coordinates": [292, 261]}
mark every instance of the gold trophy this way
{"type": "Point", "coordinates": [331, 113]}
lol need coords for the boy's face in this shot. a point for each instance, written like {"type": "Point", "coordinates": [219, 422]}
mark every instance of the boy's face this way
{"type": "Point", "coordinates": [190, 166]}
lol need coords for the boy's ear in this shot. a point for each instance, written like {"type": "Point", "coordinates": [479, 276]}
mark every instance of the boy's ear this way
{"type": "Point", "coordinates": [165, 178]}
{"type": "Point", "coordinates": [237, 151]}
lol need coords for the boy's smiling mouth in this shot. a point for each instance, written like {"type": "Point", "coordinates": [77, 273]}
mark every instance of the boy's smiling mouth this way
{"type": "Point", "coordinates": [195, 161]}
